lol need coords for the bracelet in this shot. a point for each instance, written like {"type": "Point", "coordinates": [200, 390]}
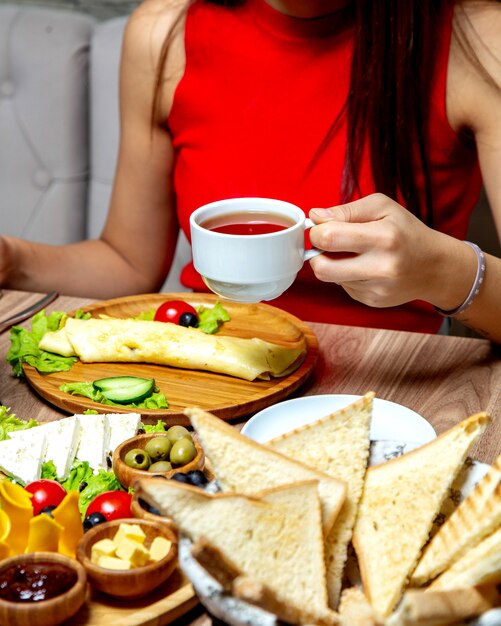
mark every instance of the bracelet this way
{"type": "Point", "coordinates": [477, 283]}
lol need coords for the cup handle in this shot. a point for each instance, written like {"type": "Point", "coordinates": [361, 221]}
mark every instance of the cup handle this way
{"type": "Point", "coordinates": [312, 252]}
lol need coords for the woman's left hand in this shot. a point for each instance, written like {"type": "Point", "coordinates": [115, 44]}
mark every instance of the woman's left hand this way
{"type": "Point", "coordinates": [384, 256]}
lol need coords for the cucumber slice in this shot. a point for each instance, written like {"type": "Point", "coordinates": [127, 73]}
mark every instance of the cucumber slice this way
{"type": "Point", "coordinates": [125, 389]}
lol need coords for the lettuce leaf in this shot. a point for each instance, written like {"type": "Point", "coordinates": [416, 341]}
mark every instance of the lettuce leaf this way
{"type": "Point", "coordinates": [209, 320]}
{"type": "Point", "coordinates": [159, 427]}
{"type": "Point", "coordinates": [49, 470]}
{"type": "Point", "coordinates": [80, 472]}
{"type": "Point", "coordinates": [24, 344]}
{"type": "Point", "coordinates": [9, 422]}
{"type": "Point", "coordinates": [156, 400]}
{"type": "Point", "coordinates": [146, 315]}
{"type": "Point", "coordinates": [96, 484]}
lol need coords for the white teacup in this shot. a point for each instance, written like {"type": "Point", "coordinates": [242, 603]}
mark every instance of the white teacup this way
{"type": "Point", "coordinates": [245, 267]}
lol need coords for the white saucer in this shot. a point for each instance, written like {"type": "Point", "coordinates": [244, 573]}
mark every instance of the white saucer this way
{"type": "Point", "coordinates": [390, 421]}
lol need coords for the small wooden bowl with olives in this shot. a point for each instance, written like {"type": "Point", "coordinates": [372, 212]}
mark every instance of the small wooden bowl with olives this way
{"type": "Point", "coordinates": [157, 454]}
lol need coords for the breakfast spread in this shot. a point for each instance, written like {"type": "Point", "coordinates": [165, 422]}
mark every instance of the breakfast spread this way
{"type": "Point", "coordinates": [390, 515]}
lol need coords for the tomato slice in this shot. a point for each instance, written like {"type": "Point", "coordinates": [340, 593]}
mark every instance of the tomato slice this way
{"type": "Point", "coordinates": [45, 493]}
{"type": "Point", "coordinates": [172, 310]}
{"type": "Point", "coordinates": [112, 504]}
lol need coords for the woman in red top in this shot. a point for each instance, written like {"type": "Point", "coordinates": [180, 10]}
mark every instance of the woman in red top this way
{"type": "Point", "coordinates": [365, 108]}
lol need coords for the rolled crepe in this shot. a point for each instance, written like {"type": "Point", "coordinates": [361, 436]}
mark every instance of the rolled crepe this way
{"type": "Point", "coordinates": [139, 341]}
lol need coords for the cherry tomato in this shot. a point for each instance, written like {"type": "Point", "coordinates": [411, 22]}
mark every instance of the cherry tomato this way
{"type": "Point", "coordinates": [46, 493]}
{"type": "Point", "coordinates": [172, 310]}
{"type": "Point", "coordinates": [112, 504]}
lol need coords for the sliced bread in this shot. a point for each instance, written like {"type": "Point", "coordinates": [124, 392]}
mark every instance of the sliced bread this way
{"type": "Point", "coordinates": [473, 520]}
{"type": "Point", "coordinates": [420, 607]}
{"type": "Point", "coordinates": [481, 564]}
{"type": "Point", "coordinates": [337, 445]}
{"type": "Point", "coordinates": [400, 500]}
{"type": "Point", "coordinates": [274, 537]}
{"type": "Point", "coordinates": [242, 465]}
{"type": "Point", "coordinates": [355, 610]}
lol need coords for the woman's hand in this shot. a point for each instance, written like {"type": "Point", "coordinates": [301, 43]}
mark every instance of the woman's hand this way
{"type": "Point", "coordinates": [384, 256]}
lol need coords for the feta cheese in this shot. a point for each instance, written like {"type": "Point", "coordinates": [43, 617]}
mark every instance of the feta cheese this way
{"type": "Point", "coordinates": [94, 435]}
{"type": "Point", "coordinates": [123, 426]}
{"type": "Point", "coordinates": [21, 457]}
{"type": "Point", "coordinates": [62, 438]}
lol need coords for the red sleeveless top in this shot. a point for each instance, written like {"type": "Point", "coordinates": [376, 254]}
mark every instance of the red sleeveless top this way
{"type": "Point", "coordinates": [258, 96]}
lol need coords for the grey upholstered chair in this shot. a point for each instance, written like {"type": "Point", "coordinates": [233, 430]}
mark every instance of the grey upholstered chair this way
{"type": "Point", "coordinates": [59, 125]}
{"type": "Point", "coordinates": [44, 160]}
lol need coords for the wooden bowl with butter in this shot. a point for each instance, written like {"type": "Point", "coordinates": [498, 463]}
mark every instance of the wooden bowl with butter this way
{"type": "Point", "coordinates": [128, 558]}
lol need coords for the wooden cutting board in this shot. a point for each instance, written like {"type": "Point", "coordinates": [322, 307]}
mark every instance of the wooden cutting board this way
{"type": "Point", "coordinates": [167, 603]}
{"type": "Point", "coordinates": [225, 396]}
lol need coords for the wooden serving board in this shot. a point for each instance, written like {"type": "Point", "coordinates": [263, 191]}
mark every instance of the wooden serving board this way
{"type": "Point", "coordinates": [225, 396]}
{"type": "Point", "coordinates": [164, 605]}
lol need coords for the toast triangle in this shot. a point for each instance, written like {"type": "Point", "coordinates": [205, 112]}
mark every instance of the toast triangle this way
{"type": "Point", "coordinates": [274, 537]}
{"type": "Point", "coordinates": [244, 466]}
{"type": "Point", "coordinates": [474, 519]}
{"type": "Point", "coordinates": [406, 493]}
{"type": "Point", "coordinates": [338, 445]}
{"type": "Point", "coordinates": [478, 566]}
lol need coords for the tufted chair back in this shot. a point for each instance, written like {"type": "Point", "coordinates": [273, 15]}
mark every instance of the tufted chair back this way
{"type": "Point", "coordinates": [44, 158]}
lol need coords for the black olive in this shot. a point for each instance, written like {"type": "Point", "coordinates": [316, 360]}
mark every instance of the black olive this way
{"type": "Point", "coordinates": [197, 478]}
{"type": "Point", "coordinates": [47, 510]}
{"type": "Point", "coordinates": [188, 319]}
{"type": "Point", "coordinates": [147, 507]}
{"type": "Point", "coordinates": [82, 485]}
{"type": "Point", "coordinates": [93, 520]}
{"type": "Point", "coordinates": [181, 478]}
{"type": "Point", "coordinates": [141, 431]}
{"type": "Point", "coordinates": [108, 461]}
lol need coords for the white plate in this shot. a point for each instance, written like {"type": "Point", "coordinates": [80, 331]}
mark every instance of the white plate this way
{"type": "Point", "coordinates": [390, 421]}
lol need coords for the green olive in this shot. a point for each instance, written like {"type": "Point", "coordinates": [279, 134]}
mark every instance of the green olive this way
{"type": "Point", "coordinates": [158, 448]}
{"type": "Point", "coordinates": [160, 466]}
{"type": "Point", "coordinates": [137, 459]}
{"type": "Point", "coordinates": [174, 433]}
{"type": "Point", "coordinates": [183, 451]}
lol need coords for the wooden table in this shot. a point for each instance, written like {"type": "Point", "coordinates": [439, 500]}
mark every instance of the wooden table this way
{"type": "Point", "coordinates": [445, 379]}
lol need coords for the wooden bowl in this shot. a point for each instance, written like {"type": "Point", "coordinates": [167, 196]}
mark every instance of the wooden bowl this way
{"type": "Point", "coordinates": [44, 612]}
{"type": "Point", "coordinates": [138, 581]}
{"type": "Point", "coordinates": [140, 510]}
{"type": "Point", "coordinates": [127, 475]}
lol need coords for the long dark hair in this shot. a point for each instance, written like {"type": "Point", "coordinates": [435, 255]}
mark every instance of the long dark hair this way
{"type": "Point", "coordinates": [387, 105]}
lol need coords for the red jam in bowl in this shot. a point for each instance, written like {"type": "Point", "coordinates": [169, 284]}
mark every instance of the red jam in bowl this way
{"type": "Point", "coordinates": [33, 582]}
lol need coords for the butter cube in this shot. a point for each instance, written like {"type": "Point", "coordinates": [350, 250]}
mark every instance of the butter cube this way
{"type": "Point", "coordinates": [129, 531]}
{"type": "Point", "coordinates": [111, 562]}
{"type": "Point", "coordinates": [104, 547]}
{"type": "Point", "coordinates": [132, 551]}
{"type": "Point", "coordinates": [159, 548]}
